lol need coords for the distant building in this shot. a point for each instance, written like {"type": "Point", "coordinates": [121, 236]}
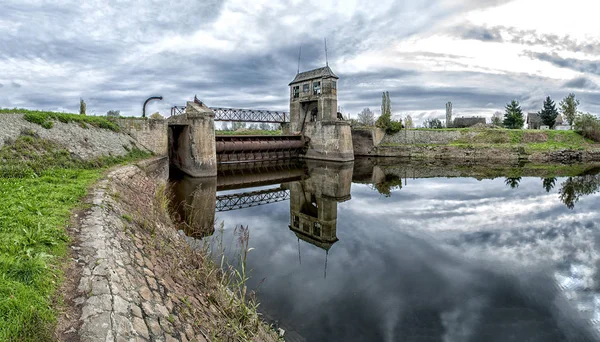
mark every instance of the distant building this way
{"type": "Point", "coordinates": [534, 121]}
{"type": "Point", "coordinates": [467, 122]}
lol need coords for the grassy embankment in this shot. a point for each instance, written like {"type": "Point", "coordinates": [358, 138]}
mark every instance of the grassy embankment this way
{"type": "Point", "coordinates": [40, 184]}
{"type": "Point", "coordinates": [46, 119]}
{"type": "Point", "coordinates": [531, 140]}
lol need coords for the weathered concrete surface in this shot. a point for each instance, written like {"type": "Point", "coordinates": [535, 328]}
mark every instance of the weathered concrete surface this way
{"type": "Point", "coordinates": [192, 146]}
{"type": "Point", "coordinates": [150, 133]}
{"type": "Point", "coordinates": [139, 279]}
{"type": "Point", "coordinates": [85, 143]}
{"type": "Point", "coordinates": [329, 140]}
{"type": "Point", "coordinates": [364, 140]}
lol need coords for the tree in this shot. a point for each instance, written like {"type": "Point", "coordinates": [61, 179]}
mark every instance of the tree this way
{"type": "Point", "coordinates": [237, 125]}
{"type": "Point", "coordinates": [513, 116]}
{"type": "Point", "coordinates": [156, 116]}
{"type": "Point", "coordinates": [265, 126]}
{"type": "Point", "coordinates": [497, 119]}
{"type": "Point", "coordinates": [408, 122]}
{"type": "Point", "coordinates": [82, 107]}
{"type": "Point", "coordinates": [513, 182]}
{"type": "Point", "coordinates": [549, 113]}
{"type": "Point", "coordinates": [113, 113]}
{"type": "Point", "coordinates": [588, 125]}
{"type": "Point", "coordinates": [366, 117]}
{"type": "Point", "coordinates": [549, 183]}
{"type": "Point", "coordinates": [433, 123]}
{"type": "Point", "coordinates": [386, 111]}
{"type": "Point", "coordinates": [568, 108]}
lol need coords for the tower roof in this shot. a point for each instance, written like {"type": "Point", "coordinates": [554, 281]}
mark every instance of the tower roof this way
{"type": "Point", "coordinates": [315, 73]}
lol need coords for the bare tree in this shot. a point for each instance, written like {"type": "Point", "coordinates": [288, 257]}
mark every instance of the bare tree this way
{"type": "Point", "coordinates": [408, 122]}
{"type": "Point", "coordinates": [366, 117]}
{"type": "Point", "coordinates": [498, 119]}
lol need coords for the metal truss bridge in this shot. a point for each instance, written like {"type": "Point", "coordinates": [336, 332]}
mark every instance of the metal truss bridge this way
{"type": "Point", "coordinates": [242, 115]}
{"type": "Point", "coordinates": [251, 199]}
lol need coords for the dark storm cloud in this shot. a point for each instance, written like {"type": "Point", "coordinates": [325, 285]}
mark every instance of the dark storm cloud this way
{"type": "Point", "coordinates": [581, 83]}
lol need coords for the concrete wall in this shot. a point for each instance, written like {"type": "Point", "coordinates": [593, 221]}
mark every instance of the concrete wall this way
{"type": "Point", "coordinates": [364, 140]}
{"type": "Point", "coordinates": [150, 133]}
{"type": "Point", "coordinates": [192, 146]}
{"type": "Point", "coordinates": [329, 140]}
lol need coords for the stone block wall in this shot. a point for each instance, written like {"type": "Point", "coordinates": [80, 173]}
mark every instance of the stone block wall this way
{"type": "Point", "coordinates": [425, 137]}
{"type": "Point", "coordinates": [150, 133]}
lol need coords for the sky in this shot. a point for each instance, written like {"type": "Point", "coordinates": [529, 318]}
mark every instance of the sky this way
{"type": "Point", "coordinates": [478, 54]}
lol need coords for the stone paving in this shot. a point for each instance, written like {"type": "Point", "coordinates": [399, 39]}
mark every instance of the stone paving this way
{"type": "Point", "coordinates": [135, 283]}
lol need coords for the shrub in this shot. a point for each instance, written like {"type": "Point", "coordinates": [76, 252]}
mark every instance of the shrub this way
{"type": "Point", "coordinates": [588, 125]}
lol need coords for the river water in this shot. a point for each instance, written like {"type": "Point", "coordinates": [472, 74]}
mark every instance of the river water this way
{"type": "Point", "coordinates": [384, 250]}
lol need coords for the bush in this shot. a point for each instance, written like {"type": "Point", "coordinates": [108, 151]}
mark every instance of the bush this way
{"type": "Point", "coordinates": [588, 125]}
{"type": "Point", "coordinates": [46, 119]}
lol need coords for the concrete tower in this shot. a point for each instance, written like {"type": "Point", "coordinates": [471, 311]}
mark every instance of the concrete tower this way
{"type": "Point", "coordinates": [313, 113]}
{"type": "Point", "coordinates": [449, 114]}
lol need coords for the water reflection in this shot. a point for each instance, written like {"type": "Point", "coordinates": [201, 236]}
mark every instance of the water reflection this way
{"type": "Point", "coordinates": [417, 256]}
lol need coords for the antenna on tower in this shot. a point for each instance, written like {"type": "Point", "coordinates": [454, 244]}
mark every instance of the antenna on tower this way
{"type": "Point", "coordinates": [299, 54]}
{"type": "Point", "coordinates": [326, 59]}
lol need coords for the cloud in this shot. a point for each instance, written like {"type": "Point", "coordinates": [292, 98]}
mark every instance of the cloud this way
{"type": "Point", "coordinates": [581, 83]}
{"type": "Point", "coordinates": [115, 54]}
{"type": "Point", "coordinates": [588, 66]}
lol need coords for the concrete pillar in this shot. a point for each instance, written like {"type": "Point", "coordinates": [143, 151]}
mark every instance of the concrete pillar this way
{"type": "Point", "coordinates": [192, 146]}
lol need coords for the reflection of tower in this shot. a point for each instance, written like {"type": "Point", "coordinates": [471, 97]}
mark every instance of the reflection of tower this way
{"type": "Point", "coordinates": [195, 199]}
{"type": "Point", "coordinates": [314, 202]}
{"type": "Point", "coordinates": [449, 114]}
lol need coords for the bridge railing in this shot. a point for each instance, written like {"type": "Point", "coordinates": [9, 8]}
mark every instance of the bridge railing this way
{"type": "Point", "coordinates": [250, 115]}
{"type": "Point", "coordinates": [251, 199]}
{"type": "Point", "coordinates": [242, 115]}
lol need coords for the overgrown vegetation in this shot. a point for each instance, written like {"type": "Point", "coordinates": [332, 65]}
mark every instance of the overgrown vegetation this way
{"type": "Point", "coordinates": [46, 119]}
{"type": "Point", "coordinates": [40, 183]}
{"type": "Point", "coordinates": [588, 125]}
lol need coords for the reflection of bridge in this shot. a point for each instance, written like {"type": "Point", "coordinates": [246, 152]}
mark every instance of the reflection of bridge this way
{"type": "Point", "coordinates": [242, 115]}
{"type": "Point", "coordinates": [251, 199]}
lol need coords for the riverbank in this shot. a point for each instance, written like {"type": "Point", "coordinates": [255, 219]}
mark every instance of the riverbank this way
{"type": "Point", "coordinates": [139, 278]}
{"type": "Point", "coordinates": [41, 182]}
{"type": "Point", "coordinates": [477, 145]}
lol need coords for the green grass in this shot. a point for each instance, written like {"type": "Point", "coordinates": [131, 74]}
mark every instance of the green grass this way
{"type": "Point", "coordinates": [40, 184]}
{"type": "Point", "coordinates": [46, 119]}
{"type": "Point", "coordinates": [249, 132]}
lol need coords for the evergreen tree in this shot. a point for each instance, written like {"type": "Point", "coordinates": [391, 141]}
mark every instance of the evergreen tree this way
{"type": "Point", "coordinates": [568, 108]}
{"type": "Point", "coordinates": [513, 116]}
{"type": "Point", "coordinates": [549, 113]}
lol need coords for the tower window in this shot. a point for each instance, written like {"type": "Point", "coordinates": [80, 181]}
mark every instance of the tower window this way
{"type": "Point", "coordinates": [306, 88]}
{"type": "Point", "coordinates": [296, 222]}
{"type": "Point", "coordinates": [317, 229]}
{"type": "Point", "coordinates": [316, 88]}
{"type": "Point", "coordinates": [296, 91]}
{"type": "Point", "coordinates": [333, 85]}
